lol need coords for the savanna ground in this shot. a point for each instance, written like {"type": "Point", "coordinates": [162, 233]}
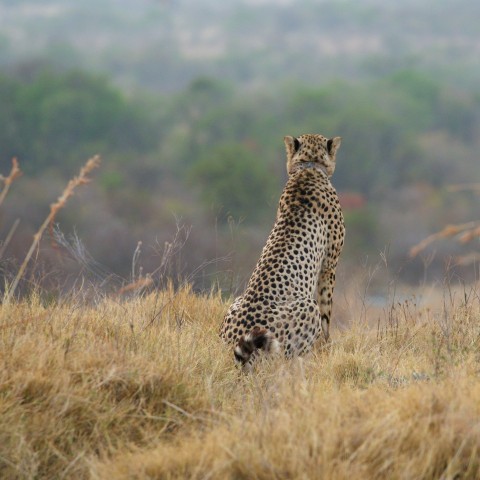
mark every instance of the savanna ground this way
{"type": "Point", "coordinates": [144, 388]}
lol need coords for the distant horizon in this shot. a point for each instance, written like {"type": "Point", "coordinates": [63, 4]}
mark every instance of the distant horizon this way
{"type": "Point", "coordinates": [149, 45]}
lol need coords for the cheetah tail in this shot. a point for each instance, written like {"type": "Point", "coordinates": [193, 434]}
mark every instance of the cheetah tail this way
{"type": "Point", "coordinates": [257, 339]}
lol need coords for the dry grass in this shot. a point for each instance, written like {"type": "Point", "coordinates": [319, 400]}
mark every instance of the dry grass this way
{"type": "Point", "coordinates": [145, 389]}
{"type": "Point", "coordinates": [462, 233]}
{"type": "Point", "coordinates": [15, 172]}
{"type": "Point", "coordinates": [81, 179]}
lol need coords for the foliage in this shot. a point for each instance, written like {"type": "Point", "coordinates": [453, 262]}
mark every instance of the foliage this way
{"type": "Point", "coordinates": [51, 119]}
{"type": "Point", "coordinates": [214, 148]}
{"type": "Point", "coordinates": [231, 177]}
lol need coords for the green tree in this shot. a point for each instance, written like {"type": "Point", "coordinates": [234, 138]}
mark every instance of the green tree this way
{"type": "Point", "coordinates": [53, 120]}
{"type": "Point", "coordinates": [232, 178]}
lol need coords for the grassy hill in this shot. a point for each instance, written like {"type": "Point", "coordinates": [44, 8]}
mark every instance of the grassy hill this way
{"type": "Point", "coordinates": [144, 388]}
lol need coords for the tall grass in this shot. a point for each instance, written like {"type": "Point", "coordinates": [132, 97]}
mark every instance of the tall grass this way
{"type": "Point", "coordinates": [144, 388]}
{"type": "Point", "coordinates": [81, 179]}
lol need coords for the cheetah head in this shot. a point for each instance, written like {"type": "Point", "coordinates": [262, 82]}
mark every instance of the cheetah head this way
{"type": "Point", "coordinates": [312, 148]}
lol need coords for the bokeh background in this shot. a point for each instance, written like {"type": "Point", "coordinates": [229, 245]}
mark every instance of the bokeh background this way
{"type": "Point", "coordinates": [188, 101]}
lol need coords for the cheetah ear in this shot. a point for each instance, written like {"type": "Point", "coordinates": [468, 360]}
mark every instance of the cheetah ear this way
{"type": "Point", "coordinates": [292, 144]}
{"type": "Point", "coordinates": [296, 144]}
{"type": "Point", "coordinates": [332, 146]}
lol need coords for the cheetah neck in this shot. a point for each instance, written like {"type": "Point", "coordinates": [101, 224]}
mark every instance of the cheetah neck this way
{"type": "Point", "coordinates": [313, 165]}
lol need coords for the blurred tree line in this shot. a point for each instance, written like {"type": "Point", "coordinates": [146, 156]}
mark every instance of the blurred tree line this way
{"type": "Point", "coordinates": [213, 155]}
{"type": "Point", "coordinates": [52, 120]}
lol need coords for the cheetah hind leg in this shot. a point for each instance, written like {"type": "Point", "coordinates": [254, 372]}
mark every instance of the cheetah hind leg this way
{"type": "Point", "coordinates": [257, 339]}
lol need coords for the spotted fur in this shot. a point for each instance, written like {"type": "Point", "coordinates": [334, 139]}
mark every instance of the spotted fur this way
{"type": "Point", "coordinates": [288, 300]}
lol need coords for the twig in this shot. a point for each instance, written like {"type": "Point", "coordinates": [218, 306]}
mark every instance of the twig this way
{"type": "Point", "coordinates": [9, 237]}
{"type": "Point", "coordinates": [15, 172]}
{"type": "Point", "coordinates": [81, 179]}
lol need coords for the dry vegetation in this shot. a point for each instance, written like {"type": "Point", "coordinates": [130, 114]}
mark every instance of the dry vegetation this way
{"type": "Point", "coordinates": [69, 190]}
{"type": "Point", "coordinates": [463, 233]}
{"type": "Point", "coordinates": [144, 388]}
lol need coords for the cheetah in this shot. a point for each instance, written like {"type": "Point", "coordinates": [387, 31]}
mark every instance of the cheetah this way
{"type": "Point", "coordinates": [287, 303]}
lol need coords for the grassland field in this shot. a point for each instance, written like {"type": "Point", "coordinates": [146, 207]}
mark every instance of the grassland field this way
{"type": "Point", "coordinates": [144, 389]}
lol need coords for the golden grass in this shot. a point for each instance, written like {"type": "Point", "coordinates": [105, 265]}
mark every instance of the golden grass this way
{"type": "Point", "coordinates": [145, 389]}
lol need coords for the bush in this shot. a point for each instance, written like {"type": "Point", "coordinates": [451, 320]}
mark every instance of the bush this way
{"type": "Point", "coordinates": [234, 180]}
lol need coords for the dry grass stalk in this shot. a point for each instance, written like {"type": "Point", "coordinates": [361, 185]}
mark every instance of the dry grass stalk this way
{"type": "Point", "coordinates": [470, 234]}
{"type": "Point", "coordinates": [15, 172]}
{"type": "Point", "coordinates": [9, 237]}
{"type": "Point", "coordinates": [81, 179]}
{"type": "Point", "coordinates": [465, 232]}
{"type": "Point", "coordinates": [464, 187]}
{"type": "Point", "coordinates": [136, 286]}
